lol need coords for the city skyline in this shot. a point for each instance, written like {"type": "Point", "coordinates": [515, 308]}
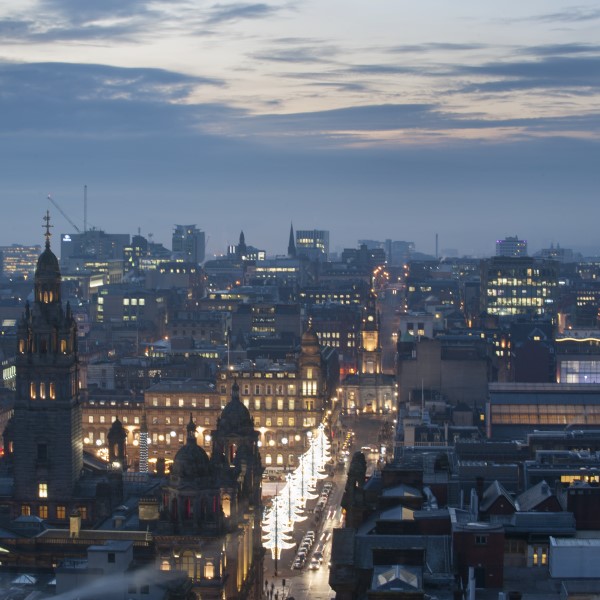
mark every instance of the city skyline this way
{"type": "Point", "coordinates": [370, 120]}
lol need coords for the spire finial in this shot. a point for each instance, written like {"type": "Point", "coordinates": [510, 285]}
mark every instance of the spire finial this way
{"type": "Point", "coordinates": [47, 226]}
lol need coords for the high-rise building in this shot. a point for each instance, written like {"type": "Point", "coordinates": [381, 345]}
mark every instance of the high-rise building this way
{"type": "Point", "coordinates": [511, 246]}
{"type": "Point", "coordinates": [18, 260]}
{"type": "Point", "coordinates": [190, 242]}
{"type": "Point", "coordinates": [518, 286]}
{"type": "Point", "coordinates": [313, 243]}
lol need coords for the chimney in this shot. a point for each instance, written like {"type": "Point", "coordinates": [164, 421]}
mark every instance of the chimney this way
{"type": "Point", "coordinates": [74, 524]}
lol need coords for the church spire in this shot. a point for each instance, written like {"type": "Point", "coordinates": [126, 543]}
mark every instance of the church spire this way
{"type": "Point", "coordinates": [292, 243]}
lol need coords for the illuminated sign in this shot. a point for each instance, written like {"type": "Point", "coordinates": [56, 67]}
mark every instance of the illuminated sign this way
{"type": "Point", "coordinates": [66, 238]}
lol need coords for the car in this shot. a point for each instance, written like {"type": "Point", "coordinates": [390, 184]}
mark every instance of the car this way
{"type": "Point", "coordinates": [314, 564]}
{"type": "Point", "coordinates": [310, 533]}
{"type": "Point", "coordinates": [298, 564]}
{"type": "Point", "coordinates": [317, 555]}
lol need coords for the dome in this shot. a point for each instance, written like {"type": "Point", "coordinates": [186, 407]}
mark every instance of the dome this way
{"type": "Point", "coordinates": [191, 461]}
{"type": "Point", "coordinates": [235, 417]}
{"type": "Point", "coordinates": [47, 265]}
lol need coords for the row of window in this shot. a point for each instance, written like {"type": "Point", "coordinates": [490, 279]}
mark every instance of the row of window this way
{"type": "Point", "coordinates": [60, 511]}
{"type": "Point", "coordinates": [42, 390]}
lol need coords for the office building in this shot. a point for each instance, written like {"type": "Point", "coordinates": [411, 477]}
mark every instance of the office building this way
{"type": "Point", "coordinates": [313, 243]}
{"type": "Point", "coordinates": [511, 246]}
{"type": "Point", "coordinates": [518, 286]}
{"type": "Point", "coordinates": [189, 243]}
{"type": "Point", "coordinates": [18, 260]}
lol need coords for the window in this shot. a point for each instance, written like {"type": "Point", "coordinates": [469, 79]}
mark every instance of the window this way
{"type": "Point", "coordinates": [206, 402]}
{"type": "Point", "coordinates": [257, 390]}
{"type": "Point", "coordinates": [209, 569]}
{"type": "Point", "coordinates": [102, 419]}
{"type": "Point", "coordinates": [42, 490]}
{"type": "Point", "coordinates": [180, 401]}
{"type": "Point", "coordinates": [111, 557]}
{"type": "Point", "coordinates": [42, 390]}
{"type": "Point", "coordinates": [481, 540]}
{"type": "Point", "coordinates": [32, 390]}
{"type": "Point", "coordinates": [61, 512]}
{"type": "Point", "coordinates": [291, 404]}
{"type": "Point", "coordinates": [257, 404]}
{"type": "Point", "coordinates": [52, 390]}
{"type": "Point", "coordinates": [291, 422]}
{"type": "Point", "coordinates": [91, 419]}
{"type": "Point", "coordinates": [43, 511]}
{"type": "Point", "coordinates": [25, 510]}
{"type": "Point", "coordinates": [280, 404]}
{"type": "Point", "coordinates": [279, 421]}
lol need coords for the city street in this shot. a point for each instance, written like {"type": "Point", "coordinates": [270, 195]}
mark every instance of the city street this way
{"type": "Point", "coordinates": [307, 584]}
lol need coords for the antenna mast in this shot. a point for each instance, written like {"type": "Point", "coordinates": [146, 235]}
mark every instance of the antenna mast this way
{"type": "Point", "coordinates": [84, 208]}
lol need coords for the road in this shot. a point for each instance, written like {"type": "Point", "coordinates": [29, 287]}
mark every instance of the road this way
{"type": "Point", "coordinates": [306, 584]}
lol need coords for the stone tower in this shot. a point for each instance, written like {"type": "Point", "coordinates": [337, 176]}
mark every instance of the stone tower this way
{"type": "Point", "coordinates": [370, 346]}
{"type": "Point", "coordinates": [46, 428]}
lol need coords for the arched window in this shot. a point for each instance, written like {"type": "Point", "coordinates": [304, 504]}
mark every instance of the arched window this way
{"type": "Point", "coordinates": [280, 459]}
{"type": "Point", "coordinates": [165, 565]}
{"type": "Point", "coordinates": [209, 569]}
{"type": "Point", "coordinates": [268, 459]}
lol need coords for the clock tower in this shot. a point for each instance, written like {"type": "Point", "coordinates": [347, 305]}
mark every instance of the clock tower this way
{"type": "Point", "coordinates": [370, 348]}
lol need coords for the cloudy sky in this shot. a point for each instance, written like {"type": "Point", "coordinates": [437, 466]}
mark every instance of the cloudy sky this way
{"type": "Point", "coordinates": [373, 119]}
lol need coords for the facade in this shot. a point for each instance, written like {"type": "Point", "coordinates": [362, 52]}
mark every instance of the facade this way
{"type": "Point", "coordinates": [189, 242]}
{"type": "Point", "coordinates": [578, 357]}
{"type": "Point", "coordinates": [43, 463]}
{"type": "Point", "coordinates": [313, 243]}
{"type": "Point", "coordinates": [369, 390]}
{"type": "Point", "coordinates": [93, 243]}
{"type": "Point", "coordinates": [286, 400]}
{"type": "Point", "coordinates": [511, 246]}
{"type": "Point", "coordinates": [18, 260]}
{"type": "Point", "coordinates": [266, 319]}
{"type": "Point", "coordinates": [518, 286]}
{"type": "Point", "coordinates": [457, 371]}
{"type": "Point", "coordinates": [209, 511]}
{"type": "Point", "coordinates": [516, 409]}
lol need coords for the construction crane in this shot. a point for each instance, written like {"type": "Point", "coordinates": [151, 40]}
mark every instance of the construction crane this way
{"type": "Point", "coordinates": [62, 212]}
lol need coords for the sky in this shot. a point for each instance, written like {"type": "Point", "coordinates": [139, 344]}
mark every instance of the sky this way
{"type": "Point", "coordinates": [379, 119]}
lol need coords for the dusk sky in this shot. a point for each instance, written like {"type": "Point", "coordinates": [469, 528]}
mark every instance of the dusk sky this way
{"type": "Point", "coordinates": [374, 119]}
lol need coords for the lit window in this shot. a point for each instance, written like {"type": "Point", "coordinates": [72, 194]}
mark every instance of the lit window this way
{"type": "Point", "coordinates": [43, 511]}
{"type": "Point", "coordinates": [61, 512]}
{"type": "Point", "coordinates": [32, 390]}
{"type": "Point", "coordinates": [43, 490]}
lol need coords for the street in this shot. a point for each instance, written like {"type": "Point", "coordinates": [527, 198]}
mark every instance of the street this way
{"type": "Point", "coordinates": [307, 584]}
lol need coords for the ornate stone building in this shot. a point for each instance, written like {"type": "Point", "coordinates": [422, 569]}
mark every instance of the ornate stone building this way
{"type": "Point", "coordinates": [370, 390]}
{"type": "Point", "coordinates": [210, 509]}
{"type": "Point", "coordinates": [43, 469]}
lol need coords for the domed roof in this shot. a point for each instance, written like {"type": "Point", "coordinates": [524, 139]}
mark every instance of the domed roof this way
{"type": "Point", "coordinates": [235, 417]}
{"type": "Point", "coordinates": [47, 265]}
{"type": "Point", "coordinates": [191, 461]}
